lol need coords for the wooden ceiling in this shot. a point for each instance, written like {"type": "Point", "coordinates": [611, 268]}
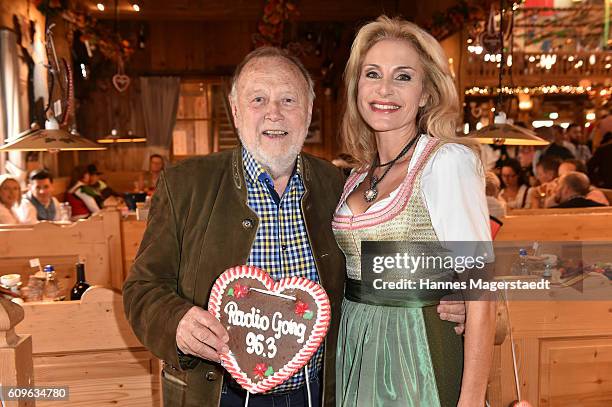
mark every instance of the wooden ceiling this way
{"type": "Point", "coordinates": [251, 10]}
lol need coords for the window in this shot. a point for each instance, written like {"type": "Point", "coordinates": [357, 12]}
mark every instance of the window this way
{"type": "Point", "coordinates": [193, 128]}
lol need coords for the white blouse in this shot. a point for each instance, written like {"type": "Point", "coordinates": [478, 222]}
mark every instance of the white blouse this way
{"type": "Point", "coordinates": [452, 188]}
{"type": "Point", "coordinates": [9, 216]}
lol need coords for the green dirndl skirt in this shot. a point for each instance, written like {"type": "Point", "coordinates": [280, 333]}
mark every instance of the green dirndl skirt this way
{"type": "Point", "coordinates": [395, 353]}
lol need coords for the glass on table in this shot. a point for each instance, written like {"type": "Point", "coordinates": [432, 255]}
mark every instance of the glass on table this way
{"type": "Point", "coordinates": [65, 212]}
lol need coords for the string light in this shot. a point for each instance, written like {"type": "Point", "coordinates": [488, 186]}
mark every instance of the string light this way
{"type": "Point", "coordinates": [545, 89]}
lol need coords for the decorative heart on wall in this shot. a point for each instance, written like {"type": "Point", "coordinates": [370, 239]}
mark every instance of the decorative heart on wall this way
{"type": "Point", "coordinates": [121, 82]}
{"type": "Point", "coordinates": [275, 327]}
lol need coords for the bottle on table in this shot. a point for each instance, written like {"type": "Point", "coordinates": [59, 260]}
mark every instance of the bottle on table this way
{"type": "Point", "coordinates": [521, 268]}
{"type": "Point", "coordinates": [81, 285]}
{"type": "Point", "coordinates": [51, 289]}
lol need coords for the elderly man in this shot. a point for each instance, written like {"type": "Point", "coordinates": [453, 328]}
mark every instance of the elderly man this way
{"type": "Point", "coordinates": [263, 204]}
{"type": "Point", "coordinates": [572, 189]}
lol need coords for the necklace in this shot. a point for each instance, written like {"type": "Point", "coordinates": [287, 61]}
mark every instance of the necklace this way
{"type": "Point", "coordinates": [371, 193]}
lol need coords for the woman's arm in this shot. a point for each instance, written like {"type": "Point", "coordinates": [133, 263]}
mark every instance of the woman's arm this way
{"type": "Point", "coordinates": [477, 352]}
{"type": "Point", "coordinates": [454, 190]}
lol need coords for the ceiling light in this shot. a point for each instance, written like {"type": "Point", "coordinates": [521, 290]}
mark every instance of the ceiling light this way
{"type": "Point", "coordinates": [136, 7]}
{"type": "Point", "coordinates": [100, 6]}
{"type": "Point", "coordinates": [51, 139]}
{"type": "Point", "coordinates": [503, 132]}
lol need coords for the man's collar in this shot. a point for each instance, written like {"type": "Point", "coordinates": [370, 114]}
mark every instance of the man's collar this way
{"type": "Point", "coordinates": [254, 171]}
{"type": "Point", "coordinates": [30, 196]}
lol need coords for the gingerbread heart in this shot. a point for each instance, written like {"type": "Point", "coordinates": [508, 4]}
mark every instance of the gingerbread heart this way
{"type": "Point", "coordinates": [121, 82]}
{"type": "Point", "coordinates": [274, 326]}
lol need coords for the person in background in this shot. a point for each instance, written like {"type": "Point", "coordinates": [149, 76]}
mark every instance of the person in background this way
{"type": "Point", "coordinates": [80, 195]}
{"type": "Point", "coordinates": [10, 196]}
{"type": "Point", "coordinates": [594, 194]}
{"type": "Point", "coordinates": [557, 147]}
{"type": "Point", "coordinates": [148, 180]}
{"type": "Point", "coordinates": [497, 206]}
{"type": "Point", "coordinates": [514, 192]}
{"type": "Point", "coordinates": [95, 182]}
{"type": "Point", "coordinates": [526, 157]}
{"type": "Point", "coordinates": [602, 126]}
{"type": "Point", "coordinates": [345, 162]}
{"type": "Point", "coordinates": [576, 137]}
{"type": "Point", "coordinates": [600, 165]}
{"type": "Point", "coordinates": [105, 195]}
{"type": "Point", "coordinates": [39, 203]}
{"type": "Point", "coordinates": [547, 170]}
{"type": "Point", "coordinates": [571, 191]}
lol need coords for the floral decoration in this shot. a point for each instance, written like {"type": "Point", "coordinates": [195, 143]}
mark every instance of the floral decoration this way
{"type": "Point", "coordinates": [272, 24]}
{"type": "Point", "coordinates": [260, 370]}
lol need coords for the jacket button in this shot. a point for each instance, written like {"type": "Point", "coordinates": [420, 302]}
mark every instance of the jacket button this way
{"type": "Point", "coordinates": [247, 223]}
{"type": "Point", "coordinates": [211, 376]}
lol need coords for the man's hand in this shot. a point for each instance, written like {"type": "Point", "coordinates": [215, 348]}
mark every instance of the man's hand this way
{"type": "Point", "coordinates": [200, 334]}
{"type": "Point", "coordinates": [453, 311]}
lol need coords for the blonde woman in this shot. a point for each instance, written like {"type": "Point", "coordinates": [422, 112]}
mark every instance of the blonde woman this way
{"type": "Point", "coordinates": [10, 197]}
{"type": "Point", "coordinates": [416, 181]}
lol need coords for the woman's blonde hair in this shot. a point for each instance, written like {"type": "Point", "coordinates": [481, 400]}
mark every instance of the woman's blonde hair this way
{"type": "Point", "coordinates": [4, 178]}
{"type": "Point", "coordinates": [440, 114]}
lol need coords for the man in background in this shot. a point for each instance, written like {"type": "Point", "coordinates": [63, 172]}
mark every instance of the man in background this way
{"type": "Point", "coordinates": [572, 190]}
{"type": "Point", "coordinates": [600, 165]}
{"type": "Point", "coordinates": [39, 203]}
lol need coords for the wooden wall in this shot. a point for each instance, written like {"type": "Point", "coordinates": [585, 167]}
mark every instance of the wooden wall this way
{"type": "Point", "coordinates": [563, 348]}
{"type": "Point", "coordinates": [212, 41]}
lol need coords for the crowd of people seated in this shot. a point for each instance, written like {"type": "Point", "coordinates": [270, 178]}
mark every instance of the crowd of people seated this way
{"type": "Point", "coordinates": [568, 173]}
{"type": "Point", "coordinates": [86, 194]}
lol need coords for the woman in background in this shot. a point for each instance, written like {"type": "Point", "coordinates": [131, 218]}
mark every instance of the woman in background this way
{"type": "Point", "coordinates": [10, 197]}
{"type": "Point", "coordinates": [516, 185]}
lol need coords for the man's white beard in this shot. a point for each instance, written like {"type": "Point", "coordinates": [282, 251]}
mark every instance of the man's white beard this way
{"type": "Point", "coordinates": [277, 166]}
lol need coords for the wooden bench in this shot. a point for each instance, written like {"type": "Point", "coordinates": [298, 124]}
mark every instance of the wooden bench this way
{"type": "Point", "coordinates": [89, 346]}
{"type": "Point", "coordinates": [563, 348]}
{"type": "Point", "coordinates": [132, 231]}
{"type": "Point", "coordinates": [96, 241]}
{"type": "Point", "coordinates": [557, 224]}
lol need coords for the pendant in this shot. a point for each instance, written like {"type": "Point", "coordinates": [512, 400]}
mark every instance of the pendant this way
{"type": "Point", "coordinates": [370, 195]}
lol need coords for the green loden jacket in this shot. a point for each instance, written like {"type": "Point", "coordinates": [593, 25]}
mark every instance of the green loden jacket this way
{"type": "Point", "coordinates": [200, 225]}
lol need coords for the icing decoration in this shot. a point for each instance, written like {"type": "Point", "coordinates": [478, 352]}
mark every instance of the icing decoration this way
{"type": "Point", "coordinates": [274, 329]}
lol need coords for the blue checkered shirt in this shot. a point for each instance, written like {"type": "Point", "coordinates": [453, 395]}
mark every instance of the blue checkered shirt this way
{"type": "Point", "coordinates": [281, 244]}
